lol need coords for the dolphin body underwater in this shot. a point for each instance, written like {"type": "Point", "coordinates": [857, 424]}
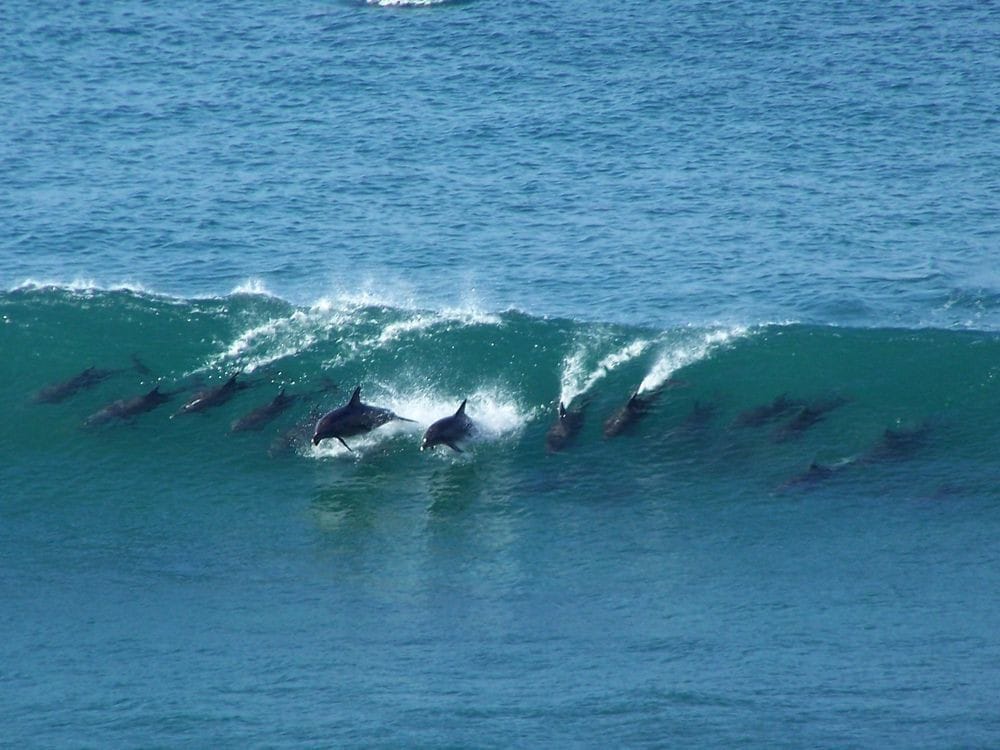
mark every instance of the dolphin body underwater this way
{"type": "Point", "coordinates": [354, 418]}
{"type": "Point", "coordinates": [563, 429]}
{"type": "Point", "coordinates": [213, 396]}
{"type": "Point", "coordinates": [57, 392]}
{"type": "Point", "coordinates": [449, 431]}
{"type": "Point", "coordinates": [259, 417]}
{"type": "Point", "coordinates": [628, 415]}
{"type": "Point", "coordinates": [126, 408]}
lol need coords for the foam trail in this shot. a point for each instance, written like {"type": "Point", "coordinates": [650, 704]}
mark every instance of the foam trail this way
{"type": "Point", "coordinates": [673, 359]}
{"type": "Point", "coordinates": [82, 286]}
{"type": "Point", "coordinates": [575, 381]}
{"type": "Point", "coordinates": [278, 338]}
{"type": "Point", "coordinates": [406, 3]}
{"type": "Point", "coordinates": [254, 286]}
{"type": "Point", "coordinates": [424, 321]}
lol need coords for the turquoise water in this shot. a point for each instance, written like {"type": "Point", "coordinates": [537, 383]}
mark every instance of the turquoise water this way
{"type": "Point", "coordinates": [777, 222]}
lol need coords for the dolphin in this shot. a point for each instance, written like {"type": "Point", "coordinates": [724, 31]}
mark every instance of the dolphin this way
{"type": "Point", "coordinates": [628, 415]}
{"type": "Point", "coordinates": [213, 396]}
{"type": "Point", "coordinates": [56, 392]}
{"type": "Point", "coordinates": [128, 407]}
{"type": "Point", "coordinates": [355, 418]}
{"type": "Point", "coordinates": [700, 415]}
{"type": "Point", "coordinates": [297, 435]}
{"type": "Point", "coordinates": [563, 429]}
{"type": "Point", "coordinates": [449, 431]}
{"type": "Point", "coordinates": [897, 444]}
{"type": "Point", "coordinates": [256, 419]}
{"type": "Point", "coordinates": [806, 417]}
{"type": "Point", "coordinates": [815, 474]}
{"type": "Point", "coordinates": [759, 415]}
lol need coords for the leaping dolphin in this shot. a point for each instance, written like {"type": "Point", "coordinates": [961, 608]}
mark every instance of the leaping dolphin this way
{"type": "Point", "coordinates": [355, 418]}
{"type": "Point", "coordinates": [564, 429]}
{"type": "Point", "coordinates": [449, 431]}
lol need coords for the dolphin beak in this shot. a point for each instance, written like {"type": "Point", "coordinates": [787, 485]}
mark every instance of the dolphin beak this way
{"type": "Point", "coordinates": [315, 440]}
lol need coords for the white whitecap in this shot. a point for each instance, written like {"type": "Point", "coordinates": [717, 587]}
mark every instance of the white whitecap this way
{"type": "Point", "coordinates": [577, 379]}
{"type": "Point", "coordinates": [686, 353]}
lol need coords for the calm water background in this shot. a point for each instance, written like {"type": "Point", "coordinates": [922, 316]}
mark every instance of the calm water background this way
{"type": "Point", "coordinates": [508, 201]}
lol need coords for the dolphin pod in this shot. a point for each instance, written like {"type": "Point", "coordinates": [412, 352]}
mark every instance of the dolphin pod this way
{"type": "Point", "coordinates": [787, 418]}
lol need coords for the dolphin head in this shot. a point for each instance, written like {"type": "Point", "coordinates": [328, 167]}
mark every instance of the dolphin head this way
{"type": "Point", "coordinates": [431, 438]}
{"type": "Point", "coordinates": [449, 430]}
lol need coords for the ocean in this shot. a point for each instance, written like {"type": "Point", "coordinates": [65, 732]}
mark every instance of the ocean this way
{"type": "Point", "coordinates": [751, 248]}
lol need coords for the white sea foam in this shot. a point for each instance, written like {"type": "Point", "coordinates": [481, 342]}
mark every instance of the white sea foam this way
{"type": "Point", "coordinates": [406, 3]}
{"type": "Point", "coordinates": [252, 286]}
{"type": "Point", "coordinates": [577, 380]}
{"type": "Point", "coordinates": [278, 338]}
{"type": "Point", "coordinates": [82, 286]}
{"type": "Point", "coordinates": [424, 321]}
{"type": "Point", "coordinates": [686, 353]}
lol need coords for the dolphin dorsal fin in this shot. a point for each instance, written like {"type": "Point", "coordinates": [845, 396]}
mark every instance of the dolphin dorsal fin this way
{"type": "Point", "coordinates": [155, 390]}
{"type": "Point", "coordinates": [562, 410]}
{"type": "Point", "coordinates": [355, 397]}
{"type": "Point", "coordinates": [461, 408]}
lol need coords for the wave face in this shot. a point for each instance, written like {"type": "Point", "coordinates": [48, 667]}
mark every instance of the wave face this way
{"type": "Point", "coordinates": [785, 479]}
{"type": "Point", "coordinates": [724, 398]}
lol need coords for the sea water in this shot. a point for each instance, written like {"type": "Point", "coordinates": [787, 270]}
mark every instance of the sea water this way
{"type": "Point", "coordinates": [774, 222]}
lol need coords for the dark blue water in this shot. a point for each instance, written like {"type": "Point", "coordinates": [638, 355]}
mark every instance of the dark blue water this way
{"type": "Point", "coordinates": [724, 207]}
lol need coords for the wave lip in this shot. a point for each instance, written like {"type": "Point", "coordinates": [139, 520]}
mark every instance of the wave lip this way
{"type": "Point", "coordinates": [686, 353]}
{"type": "Point", "coordinates": [577, 381]}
